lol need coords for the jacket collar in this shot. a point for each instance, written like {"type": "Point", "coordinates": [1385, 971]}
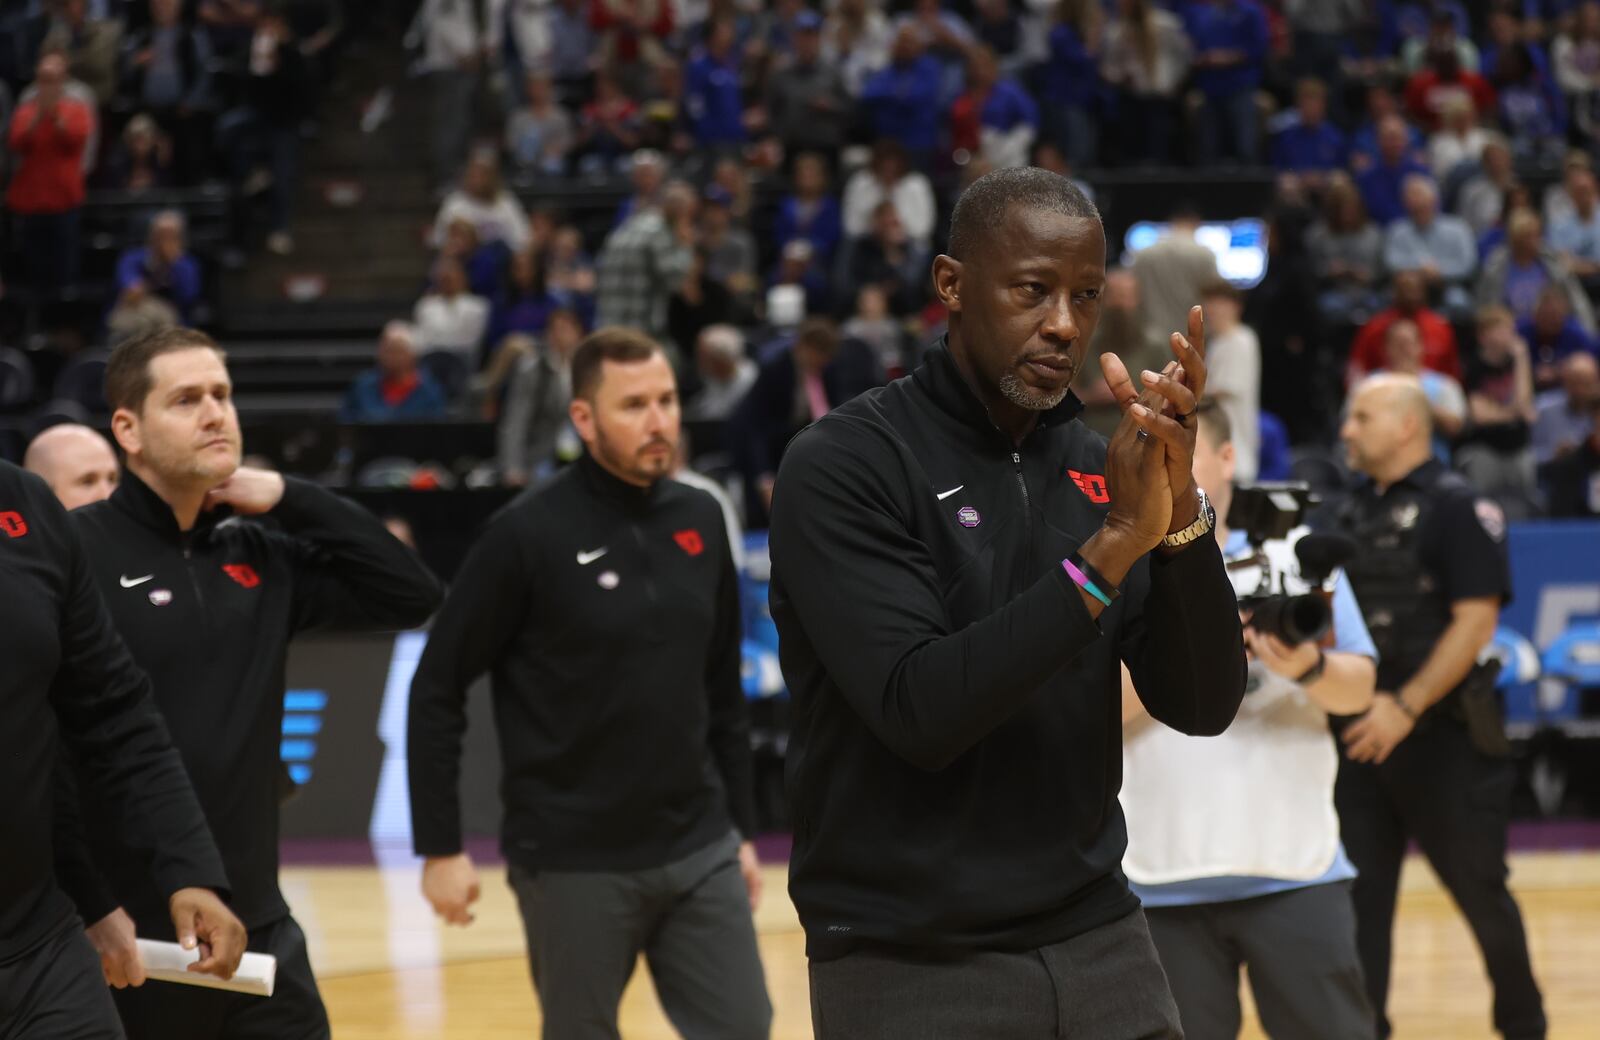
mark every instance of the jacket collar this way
{"type": "Point", "coordinates": [941, 379]}
{"type": "Point", "coordinates": [608, 488]}
{"type": "Point", "coordinates": [139, 501]}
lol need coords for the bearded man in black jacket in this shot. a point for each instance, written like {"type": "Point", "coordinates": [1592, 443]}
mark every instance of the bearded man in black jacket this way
{"type": "Point", "coordinates": [959, 568]}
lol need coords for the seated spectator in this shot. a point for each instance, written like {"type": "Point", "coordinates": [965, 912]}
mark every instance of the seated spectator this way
{"type": "Point", "coordinates": [808, 107]}
{"type": "Point", "coordinates": [1308, 144]}
{"type": "Point", "coordinates": [539, 135]}
{"type": "Point", "coordinates": [1494, 451]}
{"type": "Point", "coordinates": [1430, 30]}
{"type": "Point", "coordinates": [1481, 202]}
{"type": "Point", "coordinates": [1069, 83]}
{"type": "Point", "coordinates": [726, 374]}
{"type": "Point", "coordinates": [1430, 90]}
{"type": "Point", "coordinates": [523, 304]}
{"type": "Point", "coordinates": [1562, 414]}
{"type": "Point", "coordinates": [494, 212]}
{"type": "Point", "coordinates": [633, 36]}
{"type": "Point", "coordinates": [450, 317]}
{"type": "Point", "coordinates": [812, 212]}
{"type": "Point", "coordinates": [1346, 251]}
{"type": "Point", "coordinates": [794, 387]}
{"type": "Point", "coordinates": [394, 389]}
{"type": "Point", "coordinates": [903, 100]}
{"type": "Point", "coordinates": [1146, 60]}
{"type": "Point", "coordinates": [1576, 238]}
{"type": "Point", "coordinates": [1380, 183]}
{"type": "Point", "coordinates": [1458, 142]}
{"type": "Point", "coordinates": [647, 171]}
{"type": "Point", "coordinates": [166, 70]}
{"type": "Point", "coordinates": [569, 271]}
{"type": "Point", "coordinates": [994, 117]}
{"type": "Point", "coordinates": [1529, 107]}
{"type": "Point", "coordinates": [1438, 246]}
{"type": "Point", "coordinates": [856, 38]}
{"type": "Point", "coordinates": [732, 175]}
{"type": "Point", "coordinates": [1553, 335]}
{"type": "Point", "coordinates": [1230, 44]}
{"type": "Point", "coordinates": [263, 133]}
{"type": "Point", "coordinates": [873, 325]}
{"type": "Point", "coordinates": [1575, 61]}
{"type": "Point", "coordinates": [730, 249]}
{"type": "Point", "coordinates": [608, 126]}
{"type": "Point", "coordinates": [91, 43]}
{"type": "Point", "coordinates": [230, 23]}
{"type": "Point", "coordinates": [141, 161]}
{"type": "Point", "coordinates": [1410, 303]}
{"type": "Point", "coordinates": [712, 94]}
{"type": "Point", "coordinates": [1516, 273]}
{"type": "Point", "coordinates": [1233, 372]}
{"type": "Point", "coordinates": [46, 138]}
{"type": "Point", "coordinates": [698, 302]}
{"type": "Point", "coordinates": [643, 262]}
{"type": "Point", "coordinates": [1572, 482]}
{"type": "Point", "coordinates": [798, 266]}
{"type": "Point", "coordinates": [1403, 353]}
{"type": "Point", "coordinates": [485, 264]}
{"type": "Point", "coordinates": [888, 258]}
{"type": "Point", "coordinates": [1557, 203]}
{"type": "Point", "coordinates": [889, 178]}
{"type": "Point", "coordinates": [1381, 104]}
{"type": "Point", "coordinates": [535, 434]}
{"type": "Point", "coordinates": [997, 25]}
{"type": "Point", "coordinates": [664, 112]}
{"type": "Point", "coordinates": [162, 267]}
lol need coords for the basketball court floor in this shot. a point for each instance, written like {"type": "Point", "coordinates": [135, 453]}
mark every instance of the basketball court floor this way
{"type": "Point", "coordinates": [389, 972]}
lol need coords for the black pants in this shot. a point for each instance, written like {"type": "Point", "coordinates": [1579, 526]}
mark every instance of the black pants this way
{"type": "Point", "coordinates": [1300, 947]}
{"type": "Point", "coordinates": [690, 919]}
{"type": "Point", "coordinates": [57, 992]}
{"type": "Point", "coordinates": [1103, 985]}
{"type": "Point", "coordinates": [1455, 802]}
{"type": "Point", "coordinates": [167, 1011]}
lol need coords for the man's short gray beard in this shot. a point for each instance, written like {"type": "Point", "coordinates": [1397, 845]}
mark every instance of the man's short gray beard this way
{"type": "Point", "coordinates": [1024, 396]}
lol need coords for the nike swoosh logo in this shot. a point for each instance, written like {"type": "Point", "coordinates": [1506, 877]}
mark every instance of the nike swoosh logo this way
{"type": "Point", "coordinates": [129, 583]}
{"type": "Point", "coordinates": [586, 558]}
{"type": "Point", "coordinates": [946, 494]}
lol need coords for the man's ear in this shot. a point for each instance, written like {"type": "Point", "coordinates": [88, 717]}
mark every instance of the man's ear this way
{"type": "Point", "coordinates": [947, 282]}
{"type": "Point", "coordinates": [581, 412]}
{"type": "Point", "coordinates": [125, 428]}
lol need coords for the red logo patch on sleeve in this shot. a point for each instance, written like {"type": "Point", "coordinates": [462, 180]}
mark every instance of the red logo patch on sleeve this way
{"type": "Point", "coordinates": [1091, 484]}
{"type": "Point", "coordinates": [690, 542]}
{"type": "Point", "coordinates": [13, 524]}
{"type": "Point", "coordinates": [242, 573]}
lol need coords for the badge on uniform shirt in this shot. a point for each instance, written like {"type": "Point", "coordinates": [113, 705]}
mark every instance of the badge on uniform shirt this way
{"type": "Point", "coordinates": [1405, 516]}
{"type": "Point", "coordinates": [1491, 518]}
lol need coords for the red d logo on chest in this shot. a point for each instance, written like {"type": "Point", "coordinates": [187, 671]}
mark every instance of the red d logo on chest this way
{"type": "Point", "coordinates": [13, 524]}
{"type": "Point", "coordinates": [690, 542]}
{"type": "Point", "coordinates": [242, 573]}
{"type": "Point", "coordinates": [1091, 484]}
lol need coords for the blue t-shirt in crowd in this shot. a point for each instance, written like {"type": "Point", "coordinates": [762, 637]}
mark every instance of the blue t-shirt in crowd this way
{"type": "Point", "coordinates": [1072, 75]}
{"type": "Point", "coordinates": [1524, 282]}
{"type": "Point", "coordinates": [1380, 190]}
{"type": "Point", "coordinates": [1299, 147]}
{"type": "Point", "coordinates": [1008, 105]}
{"type": "Point", "coordinates": [904, 101]}
{"type": "Point", "coordinates": [712, 101]}
{"type": "Point", "coordinates": [1237, 25]}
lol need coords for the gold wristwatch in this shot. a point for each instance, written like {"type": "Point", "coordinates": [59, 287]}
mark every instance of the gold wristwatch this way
{"type": "Point", "coordinates": [1203, 524]}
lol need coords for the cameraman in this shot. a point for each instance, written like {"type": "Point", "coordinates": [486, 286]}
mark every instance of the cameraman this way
{"type": "Point", "coordinates": [1233, 843]}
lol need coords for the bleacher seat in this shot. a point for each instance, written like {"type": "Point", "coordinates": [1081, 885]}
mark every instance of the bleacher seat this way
{"type": "Point", "coordinates": [83, 380]}
{"type": "Point", "coordinates": [16, 380]}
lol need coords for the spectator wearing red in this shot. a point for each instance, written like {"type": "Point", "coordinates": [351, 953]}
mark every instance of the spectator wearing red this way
{"type": "Point", "coordinates": [1439, 351]}
{"type": "Point", "coordinates": [1430, 91]}
{"type": "Point", "coordinates": [47, 137]}
{"type": "Point", "coordinates": [994, 117]}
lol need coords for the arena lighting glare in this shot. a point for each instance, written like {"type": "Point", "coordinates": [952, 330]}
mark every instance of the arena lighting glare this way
{"type": "Point", "coordinates": [1240, 245]}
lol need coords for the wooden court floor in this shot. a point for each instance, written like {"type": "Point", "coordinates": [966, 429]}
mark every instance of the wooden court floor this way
{"type": "Point", "coordinates": [388, 972]}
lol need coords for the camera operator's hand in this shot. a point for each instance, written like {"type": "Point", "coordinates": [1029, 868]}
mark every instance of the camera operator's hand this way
{"type": "Point", "coordinates": [1291, 662]}
{"type": "Point", "coordinates": [1374, 736]}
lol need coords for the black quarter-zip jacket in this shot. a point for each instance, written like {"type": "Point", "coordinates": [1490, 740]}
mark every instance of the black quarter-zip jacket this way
{"type": "Point", "coordinates": [607, 617]}
{"type": "Point", "coordinates": [65, 678]}
{"type": "Point", "coordinates": [209, 613]}
{"type": "Point", "coordinates": [956, 753]}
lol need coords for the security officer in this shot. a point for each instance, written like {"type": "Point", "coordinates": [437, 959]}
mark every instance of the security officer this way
{"type": "Point", "coordinates": [1428, 759]}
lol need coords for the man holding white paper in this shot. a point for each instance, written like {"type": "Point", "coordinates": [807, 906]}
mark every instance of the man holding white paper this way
{"type": "Point", "coordinates": [69, 676]}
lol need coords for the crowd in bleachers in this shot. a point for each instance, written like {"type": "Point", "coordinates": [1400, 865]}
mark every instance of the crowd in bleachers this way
{"type": "Point", "coordinates": [146, 101]}
{"type": "Point", "coordinates": [792, 166]}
